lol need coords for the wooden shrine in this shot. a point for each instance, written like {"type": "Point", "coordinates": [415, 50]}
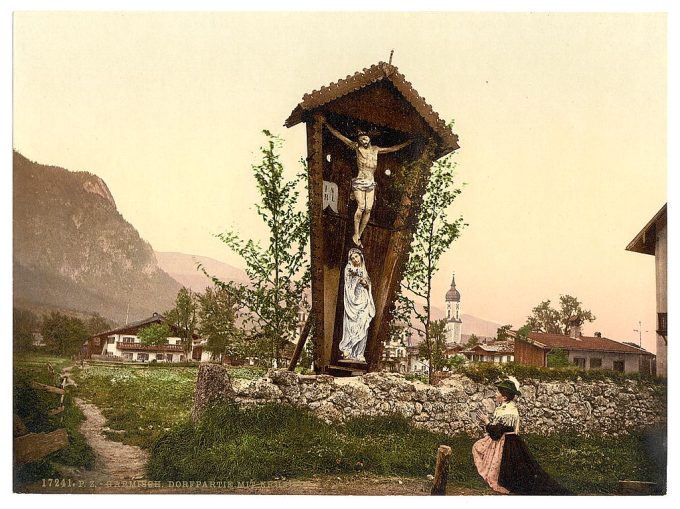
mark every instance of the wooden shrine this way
{"type": "Point", "coordinates": [380, 102]}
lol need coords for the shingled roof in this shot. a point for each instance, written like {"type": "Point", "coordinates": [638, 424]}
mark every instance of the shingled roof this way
{"type": "Point", "coordinates": [645, 241]}
{"type": "Point", "coordinates": [375, 73]}
{"type": "Point", "coordinates": [133, 327]}
{"type": "Point", "coordinates": [550, 341]}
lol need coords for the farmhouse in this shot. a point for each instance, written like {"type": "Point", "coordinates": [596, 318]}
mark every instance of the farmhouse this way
{"type": "Point", "coordinates": [123, 343]}
{"type": "Point", "coordinates": [585, 352]}
{"type": "Point", "coordinates": [499, 352]}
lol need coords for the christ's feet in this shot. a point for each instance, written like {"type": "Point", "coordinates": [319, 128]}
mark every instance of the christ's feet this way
{"type": "Point", "coordinates": [357, 240]}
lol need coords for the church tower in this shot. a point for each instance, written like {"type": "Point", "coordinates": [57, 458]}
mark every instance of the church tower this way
{"type": "Point", "coordinates": [453, 320]}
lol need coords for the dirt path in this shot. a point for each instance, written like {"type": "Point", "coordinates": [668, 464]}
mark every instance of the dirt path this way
{"type": "Point", "coordinates": [119, 468]}
{"type": "Point", "coordinates": [115, 461]}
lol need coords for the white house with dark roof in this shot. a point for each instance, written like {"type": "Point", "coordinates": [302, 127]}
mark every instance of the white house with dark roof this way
{"type": "Point", "coordinates": [500, 352]}
{"type": "Point", "coordinates": [123, 343]}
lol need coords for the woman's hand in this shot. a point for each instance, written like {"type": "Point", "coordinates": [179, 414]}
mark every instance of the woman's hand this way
{"type": "Point", "coordinates": [484, 419]}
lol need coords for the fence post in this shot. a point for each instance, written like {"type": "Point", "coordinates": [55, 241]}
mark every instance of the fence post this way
{"type": "Point", "coordinates": [441, 470]}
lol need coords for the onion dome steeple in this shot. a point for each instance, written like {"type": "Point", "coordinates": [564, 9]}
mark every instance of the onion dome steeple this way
{"type": "Point", "coordinates": [453, 295]}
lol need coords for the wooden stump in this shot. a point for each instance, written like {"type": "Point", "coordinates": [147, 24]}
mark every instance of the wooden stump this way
{"type": "Point", "coordinates": [32, 447]}
{"type": "Point", "coordinates": [638, 488]}
{"type": "Point", "coordinates": [441, 470]}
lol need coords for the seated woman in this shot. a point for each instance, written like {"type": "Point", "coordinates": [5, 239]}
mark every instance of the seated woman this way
{"type": "Point", "coordinates": [502, 458]}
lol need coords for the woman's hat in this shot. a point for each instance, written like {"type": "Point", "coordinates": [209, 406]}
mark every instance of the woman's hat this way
{"type": "Point", "coordinates": [511, 385]}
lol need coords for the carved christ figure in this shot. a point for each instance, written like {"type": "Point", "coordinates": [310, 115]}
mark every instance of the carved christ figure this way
{"type": "Point", "coordinates": [363, 186]}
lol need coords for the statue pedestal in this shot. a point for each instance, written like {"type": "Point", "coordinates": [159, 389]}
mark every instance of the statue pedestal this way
{"type": "Point", "coordinates": [348, 367]}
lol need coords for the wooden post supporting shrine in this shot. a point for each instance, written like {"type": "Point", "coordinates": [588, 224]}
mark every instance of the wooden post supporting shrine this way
{"type": "Point", "coordinates": [384, 106]}
{"type": "Point", "coordinates": [301, 343]}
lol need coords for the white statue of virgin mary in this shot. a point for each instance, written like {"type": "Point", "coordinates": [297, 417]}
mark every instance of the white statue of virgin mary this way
{"type": "Point", "coordinates": [359, 307]}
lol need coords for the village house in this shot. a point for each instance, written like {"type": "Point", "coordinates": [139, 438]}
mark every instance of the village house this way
{"type": "Point", "coordinates": [653, 240]}
{"type": "Point", "coordinates": [122, 343]}
{"type": "Point", "coordinates": [395, 353]}
{"type": "Point", "coordinates": [585, 352]}
{"type": "Point", "coordinates": [499, 352]}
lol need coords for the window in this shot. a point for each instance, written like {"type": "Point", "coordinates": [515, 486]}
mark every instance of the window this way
{"type": "Point", "coordinates": [127, 356]}
{"type": "Point", "coordinates": [128, 339]}
{"type": "Point", "coordinates": [619, 366]}
{"type": "Point", "coordinates": [111, 340]}
{"type": "Point", "coordinates": [168, 357]}
{"type": "Point", "coordinates": [595, 362]}
{"type": "Point", "coordinates": [662, 323]}
{"type": "Point", "coordinates": [159, 357]}
{"type": "Point", "coordinates": [142, 357]}
{"type": "Point", "coordinates": [580, 362]}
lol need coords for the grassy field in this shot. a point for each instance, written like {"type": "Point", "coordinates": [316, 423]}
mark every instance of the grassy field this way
{"type": "Point", "coordinates": [152, 406]}
{"type": "Point", "coordinates": [140, 402]}
{"type": "Point", "coordinates": [32, 405]}
{"type": "Point", "coordinates": [274, 441]}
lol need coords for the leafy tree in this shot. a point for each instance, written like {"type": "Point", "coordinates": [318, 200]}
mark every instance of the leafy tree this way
{"type": "Point", "coordinates": [558, 358]}
{"type": "Point", "coordinates": [64, 335]}
{"type": "Point", "coordinates": [503, 333]}
{"type": "Point", "coordinates": [184, 317]}
{"type": "Point", "coordinates": [454, 362]}
{"type": "Point", "coordinates": [472, 341]}
{"type": "Point", "coordinates": [154, 334]}
{"type": "Point", "coordinates": [96, 324]}
{"type": "Point", "coordinates": [217, 314]}
{"type": "Point", "coordinates": [433, 348]}
{"type": "Point", "coordinates": [279, 269]}
{"type": "Point", "coordinates": [544, 318]}
{"type": "Point", "coordinates": [432, 236]}
{"type": "Point", "coordinates": [25, 323]}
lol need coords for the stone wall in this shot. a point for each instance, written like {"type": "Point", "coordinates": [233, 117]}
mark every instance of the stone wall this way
{"type": "Point", "coordinates": [599, 407]}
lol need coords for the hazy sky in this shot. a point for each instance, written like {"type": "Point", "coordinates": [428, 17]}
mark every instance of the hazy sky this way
{"type": "Point", "coordinates": [561, 119]}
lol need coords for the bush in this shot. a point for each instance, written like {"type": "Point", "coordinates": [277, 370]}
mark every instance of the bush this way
{"type": "Point", "coordinates": [488, 373]}
{"type": "Point", "coordinates": [31, 406]}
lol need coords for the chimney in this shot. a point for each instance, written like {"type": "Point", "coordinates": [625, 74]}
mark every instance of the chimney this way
{"type": "Point", "coordinates": [598, 334]}
{"type": "Point", "coordinates": [574, 324]}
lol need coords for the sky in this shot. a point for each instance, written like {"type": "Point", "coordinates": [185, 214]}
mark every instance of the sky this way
{"type": "Point", "coordinates": [561, 120]}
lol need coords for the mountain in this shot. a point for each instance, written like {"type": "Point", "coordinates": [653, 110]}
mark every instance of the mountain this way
{"type": "Point", "coordinates": [183, 268]}
{"type": "Point", "coordinates": [471, 324]}
{"type": "Point", "coordinates": [479, 327]}
{"type": "Point", "coordinates": [74, 250]}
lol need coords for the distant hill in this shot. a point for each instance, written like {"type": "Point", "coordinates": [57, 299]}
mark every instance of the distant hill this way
{"type": "Point", "coordinates": [471, 324]}
{"type": "Point", "coordinates": [74, 250]}
{"type": "Point", "coordinates": [183, 268]}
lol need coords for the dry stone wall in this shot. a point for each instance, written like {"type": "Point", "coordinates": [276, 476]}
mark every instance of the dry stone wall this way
{"type": "Point", "coordinates": [593, 407]}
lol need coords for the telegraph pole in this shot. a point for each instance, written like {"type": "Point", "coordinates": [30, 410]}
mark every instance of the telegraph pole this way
{"type": "Point", "coordinates": [640, 331]}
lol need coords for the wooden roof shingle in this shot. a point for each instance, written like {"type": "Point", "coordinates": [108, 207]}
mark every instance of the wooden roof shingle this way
{"type": "Point", "coordinates": [375, 73]}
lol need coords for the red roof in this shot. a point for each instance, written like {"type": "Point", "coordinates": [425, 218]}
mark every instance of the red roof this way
{"type": "Point", "coordinates": [548, 341]}
{"type": "Point", "coordinates": [375, 73]}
